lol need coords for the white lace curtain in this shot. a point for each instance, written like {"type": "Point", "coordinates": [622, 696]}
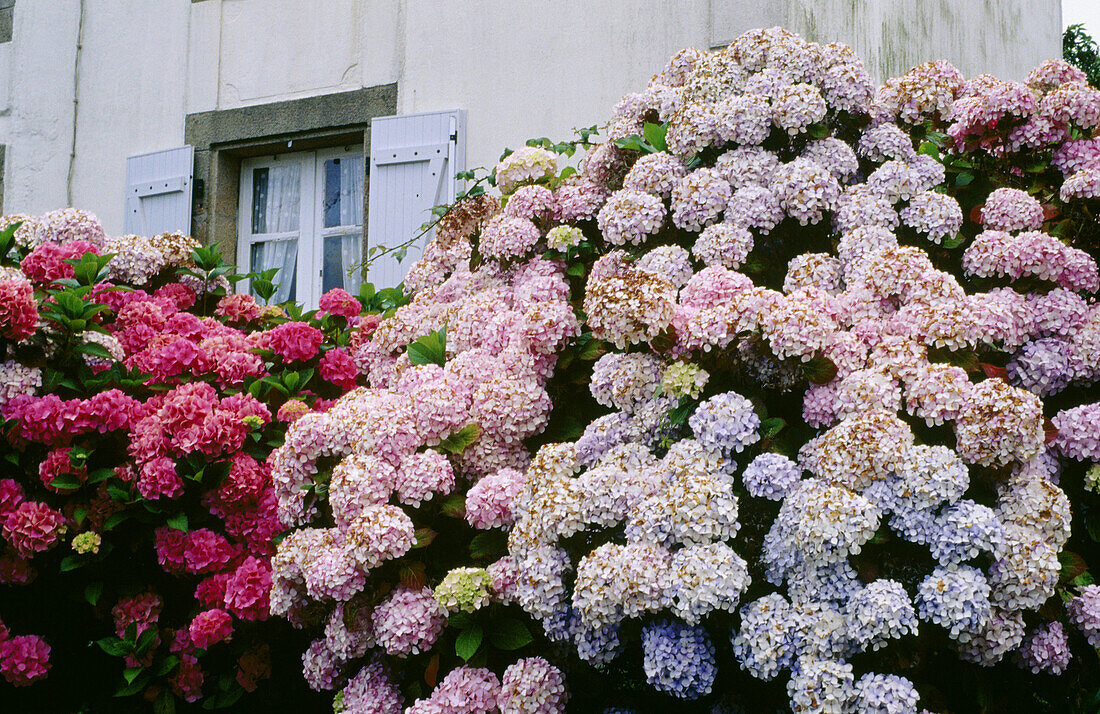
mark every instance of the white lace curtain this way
{"type": "Point", "coordinates": [281, 212]}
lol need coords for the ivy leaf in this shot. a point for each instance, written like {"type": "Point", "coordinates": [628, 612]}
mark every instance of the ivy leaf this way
{"type": "Point", "coordinates": [456, 442]}
{"type": "Point", "coordinates": [468, 642]}
{"type": "Point", "coordinates": [509, 634]}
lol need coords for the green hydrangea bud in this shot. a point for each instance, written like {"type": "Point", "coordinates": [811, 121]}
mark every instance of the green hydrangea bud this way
{"type": "Point", "coordinates": [87, 542]}
{"type": "Point", "coordinates": [683, 379]}
{"type": "Point", "coordinates": [1092, 478]}
{"type": "Point", "coordinates": [253, 421]}
{"type": "Point", "coordinates": [338, 703]}
{"type": "Point", "coordinates": [464, 589]}
{"type": "Point", "coordinates": [563, 237]}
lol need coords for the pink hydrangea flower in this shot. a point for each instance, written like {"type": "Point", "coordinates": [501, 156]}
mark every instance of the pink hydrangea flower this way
{"type": "Point", "coordinates": [238, 308]}
{"type": "Point", "coordinates": [211, 627]}
{"type": "Point", "coordinates": [294, 341]}
{"type": "Point", "coordinates": [33, 527]}
{"type": "Point", "coordinates": [18, 310]}
{"type": "Point", "coordinates": [338, 367]}
{"type": "Point", "coordinates": [24, 660]}
{"type": "Point", "coordinates": [247, 591]}
{"type": "Point", "coordinates": [339, 302]}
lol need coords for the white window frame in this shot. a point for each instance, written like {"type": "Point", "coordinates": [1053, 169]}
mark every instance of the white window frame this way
{"type": "Point", "coordinates": [311, 231]}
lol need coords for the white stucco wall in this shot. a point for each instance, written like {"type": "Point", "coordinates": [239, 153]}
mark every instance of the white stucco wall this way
{"type": "Point", "coordinates": [520, 69]}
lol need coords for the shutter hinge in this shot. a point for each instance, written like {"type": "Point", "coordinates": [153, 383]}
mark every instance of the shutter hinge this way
{"type": "Point", "coordinates": [454, 136]}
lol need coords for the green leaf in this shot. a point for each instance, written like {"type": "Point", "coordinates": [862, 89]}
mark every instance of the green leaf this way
{"type": "Point", "coordinates": [167, 665]}
{"type": "Point", "coordinates": [509, 634]}
{"type": "Point", "coordinates": [92, 592]}
{"type": "Point", "coordinates": [424, 537]}
{"type": "Point", "coordinates": [655, 135]}
{"type": "Point", "coordinates": [114, 646]}
{"type": "Point", "coordinates": [456, 442]}
{"type": "Point", "coordinates": [819, 370]}
{"type": "Point", "coordinates": [771, 427]}
{"type": "Point", "coordinates": [131, 673]}
{"type": "Point", "coordinates": [468, 642]}
{"type": "Point", "coordinates": [576, 270]}
{"type": "Point", "coordinates": [954, 241]}
{"type": "Point", "coordinates": [66, 482]}
{"type": "Point", "coordinates": [486, 544]}
{"type": "Point", "coordinates": [132, 688]}
{"type": "Point", "coordinates": [429, 349]}
{"type": "Point", "coordinates": [165, 703]}
{"type": "Point", "coordinates": [70, 562]}
{"type": "Point", "coordinates": [115, 519]}
{"type": "Point", "coordinates": [964, 179]}
{"type": "Point", "coordinates": [178, 521]}
{"type": "Point", "coordinates": [818, 130]}
{"type": "Point", "coordinates": [97, 475]}
{"type": "Point", "coordinates": [1073, 565]}
{"type": "Point", "coordinates": [593, 349]}
{"type": "Point", "coordinates": [453, 506]}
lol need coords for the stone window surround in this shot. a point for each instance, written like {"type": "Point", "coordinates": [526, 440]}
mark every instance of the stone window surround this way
{"type": "Point", "coordinates": [222, 138]}
{"type": "Point", "coordinates": [7, 14]}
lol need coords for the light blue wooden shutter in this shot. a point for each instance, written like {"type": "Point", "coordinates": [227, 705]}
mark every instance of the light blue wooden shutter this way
{"type": "Point", "coordinates": [413, 161]}
{"type": "Point", "coordinates": [158, 192]}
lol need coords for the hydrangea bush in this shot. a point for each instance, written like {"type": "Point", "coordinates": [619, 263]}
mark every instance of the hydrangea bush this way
{"type": "Point", "coordinates": [141, 401]}
{"type": "Point", "coordinates": [837, 450]}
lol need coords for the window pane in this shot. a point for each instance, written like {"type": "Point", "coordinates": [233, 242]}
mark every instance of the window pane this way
{"type": "Point", "coordinates": [343, 193]}
{"type": "Point", "coordinates": [259, 200]}
{"type": "Point", "coordinates": [341, 260]}
{"type": "Point", "coordinates": [281, 254]}
{"type": "Point", "coordinates": [276, 196]}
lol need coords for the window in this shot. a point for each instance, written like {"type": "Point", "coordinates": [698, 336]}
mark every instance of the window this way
{"type": "Point", "coordinates": [302, 213]}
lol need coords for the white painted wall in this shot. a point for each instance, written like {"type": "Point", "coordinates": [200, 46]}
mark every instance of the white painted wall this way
{"type": "Point", "coordinates": [521, 69]}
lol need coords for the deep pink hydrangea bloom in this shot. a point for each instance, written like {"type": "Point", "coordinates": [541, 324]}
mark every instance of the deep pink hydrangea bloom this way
{"type": "Point", "coordinates": [158, 478]}
{"type": "Point", "coordinates": [33, 527]}
{"type": "Point", "coordinates": [338, 367]}
{"type": "Point", "coordinates": [211, 627]}
{"type": "Point", "coordinates": [24, 660]}
{"type": "Point", "coordinates": [248, 589]}
{"type": "Point", "coordinates": [11, 495]}
{"type": "Point", "coordinates": [339, 302]}
{"type": "Point", "coordinates": [142, 611]}
{"type": "Point", "coordinates": [18, 310]}
{"type": "Point", "coordinates": [206, 552]}
{"type": "Point", "coordinates": [46, 263]}
{"type": "Point", "coordinates": [294, 341]}
{"type": "Point", "coordinates": [238, 308]}
{"type": "Point", "coordinates": [188, 679]}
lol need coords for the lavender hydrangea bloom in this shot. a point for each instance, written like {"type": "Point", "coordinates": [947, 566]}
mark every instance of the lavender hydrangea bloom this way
{"type": "Point", "coordinates": [957, 600]}
{"type": "Point", "coordinates": [678, 659]}
{"type": "Point", "coordinates": [725, 423]}
{"type": "Point", "coordinates": [1042, 367]}
{"type": "Point", "coordinates": [878, 613]}
{"type": "Point", "coordinates": [771, 476]}
{"type": "Point", "coordinates": [885, 694]}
